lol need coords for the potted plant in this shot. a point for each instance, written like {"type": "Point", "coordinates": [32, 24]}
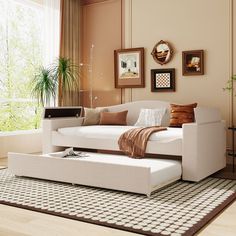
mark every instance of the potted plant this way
{"type": "Point", "coordinates": [60, 77]}
{"type": "Point", "coordinates": [65, 72]}
{"type": "Point", "coordinates": [229, 84]}
{"type": "Point", "coordinates": [44, 87]}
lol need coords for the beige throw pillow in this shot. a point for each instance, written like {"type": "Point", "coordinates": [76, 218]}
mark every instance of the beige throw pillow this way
{"type": "Point", "coordinates": [92, 115]}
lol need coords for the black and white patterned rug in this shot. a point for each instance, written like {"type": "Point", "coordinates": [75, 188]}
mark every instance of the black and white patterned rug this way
{"type": "Point", "coordinates": [179, 209]}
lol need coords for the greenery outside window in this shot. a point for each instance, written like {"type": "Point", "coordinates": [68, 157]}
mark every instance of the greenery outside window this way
{"type": "Point", "coordinates": [22, 52]}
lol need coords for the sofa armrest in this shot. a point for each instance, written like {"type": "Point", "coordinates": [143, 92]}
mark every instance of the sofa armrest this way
{"type": "Point", "coordinates": [50, 125]}
{"type": "Point", "coordinates": [204, 149]}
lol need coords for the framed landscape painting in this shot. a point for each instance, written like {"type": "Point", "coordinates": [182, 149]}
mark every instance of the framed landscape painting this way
{"type": "Point", "coordinates": [129, 68]}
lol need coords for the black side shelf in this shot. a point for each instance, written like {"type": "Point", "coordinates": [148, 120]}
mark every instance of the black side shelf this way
{"type": "Point", "coordinates": [232, 152]}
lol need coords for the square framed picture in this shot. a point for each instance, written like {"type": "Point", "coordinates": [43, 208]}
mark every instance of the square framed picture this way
{"type": "Point", "coordinates": [193, 62]}
{"type": "Point", "coordinates": [163, 80]}
{"type": "Point", "coordinates": [129, 68]}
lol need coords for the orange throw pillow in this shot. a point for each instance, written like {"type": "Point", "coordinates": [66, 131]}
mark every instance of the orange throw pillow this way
{"type": "Point", "coordinates": [180, 114]}
{"type": "Point", "coordinates": [113, 118]}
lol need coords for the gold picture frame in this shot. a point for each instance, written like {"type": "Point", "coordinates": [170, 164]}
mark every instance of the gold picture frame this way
{"type": "Point", "coordinates": [162, 52]}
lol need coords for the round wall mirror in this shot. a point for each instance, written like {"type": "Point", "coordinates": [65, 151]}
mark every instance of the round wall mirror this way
{"type": "Point", "coordinates": [162, 52]}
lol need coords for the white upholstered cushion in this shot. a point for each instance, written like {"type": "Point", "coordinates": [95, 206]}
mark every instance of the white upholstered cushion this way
{"type": "Point", "coordinates": [150, 117]}
{"type": "Point", "coordinates": [113, 132]}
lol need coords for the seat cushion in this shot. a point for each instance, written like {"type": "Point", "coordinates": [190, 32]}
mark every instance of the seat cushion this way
{"type": "Point", "coordinates": [114, 132]}
{"type": "Point", "coordinates": [106, 137]}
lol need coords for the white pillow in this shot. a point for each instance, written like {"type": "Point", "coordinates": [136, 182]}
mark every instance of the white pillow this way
{"type": "Point", "coordinates": [150, 117]}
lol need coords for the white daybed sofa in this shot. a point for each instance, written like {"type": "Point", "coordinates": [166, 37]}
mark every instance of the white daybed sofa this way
{"type": "Point", "coordinates": [201, 144]}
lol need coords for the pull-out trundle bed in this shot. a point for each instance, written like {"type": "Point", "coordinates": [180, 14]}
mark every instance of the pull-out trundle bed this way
{"type": "Point", "coordinates": [99, 170]}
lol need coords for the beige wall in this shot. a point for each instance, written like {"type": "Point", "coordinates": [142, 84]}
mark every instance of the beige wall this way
{"type": "Point", "coordinates": [187, 25]}
{"type": "Point", "coordinates": [234, 36]}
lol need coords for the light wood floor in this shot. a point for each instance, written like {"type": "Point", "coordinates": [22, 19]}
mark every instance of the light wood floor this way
{"type": "Point", "coordinates": [19, 222]}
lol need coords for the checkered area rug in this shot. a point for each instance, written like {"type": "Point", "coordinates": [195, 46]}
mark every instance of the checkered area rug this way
{"type": "Point", "coordinates": [179, 209]}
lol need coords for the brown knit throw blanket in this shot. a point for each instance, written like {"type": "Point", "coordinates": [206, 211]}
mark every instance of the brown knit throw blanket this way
{"type": "Point", "coordinates": [134, 141]}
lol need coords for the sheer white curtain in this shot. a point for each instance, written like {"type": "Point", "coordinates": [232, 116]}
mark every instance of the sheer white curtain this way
{"type": "Point", "coordinates": [51, 35]}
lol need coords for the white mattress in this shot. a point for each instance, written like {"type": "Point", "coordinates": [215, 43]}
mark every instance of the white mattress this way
{"type": "Point", "coordinates": [168, 142]}
{"type": "Point", "coordinates": [162, 171]}
{"type": "Point", "coordinates": [114, 132]}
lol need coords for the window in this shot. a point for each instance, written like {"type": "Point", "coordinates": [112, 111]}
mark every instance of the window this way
{"type": "Point", "coordinates": [22, 40]}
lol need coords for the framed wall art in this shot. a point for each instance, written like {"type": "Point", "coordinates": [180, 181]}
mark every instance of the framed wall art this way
{"type": "Point", "coordinates": [162, 52]}
{"type": "Point", "coordinates": [193, 62]}
{"type": "Point", "coordinates": [163, 80]}
{"type": "Point", "coordinates": [129, 68]}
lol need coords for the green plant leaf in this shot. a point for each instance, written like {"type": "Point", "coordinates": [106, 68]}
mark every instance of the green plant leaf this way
{"type": "Point", "coordinates": [44, 86]}
{"type": "Point", "coordinates": [65, 71]}
{"type": "Point", "coordinates": [62, 73]}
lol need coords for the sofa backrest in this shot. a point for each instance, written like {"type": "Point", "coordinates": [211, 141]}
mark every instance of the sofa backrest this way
{"type": "Point", "coordinates": [135, 107]}
{"type": "Point", "coordinates": [206, 115]}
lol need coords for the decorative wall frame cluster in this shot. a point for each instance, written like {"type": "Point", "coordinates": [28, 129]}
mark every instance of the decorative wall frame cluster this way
{"type": "Point", "coordinates": [129, 68]}
{"type": "Point", "coordinates": [163, 80]}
